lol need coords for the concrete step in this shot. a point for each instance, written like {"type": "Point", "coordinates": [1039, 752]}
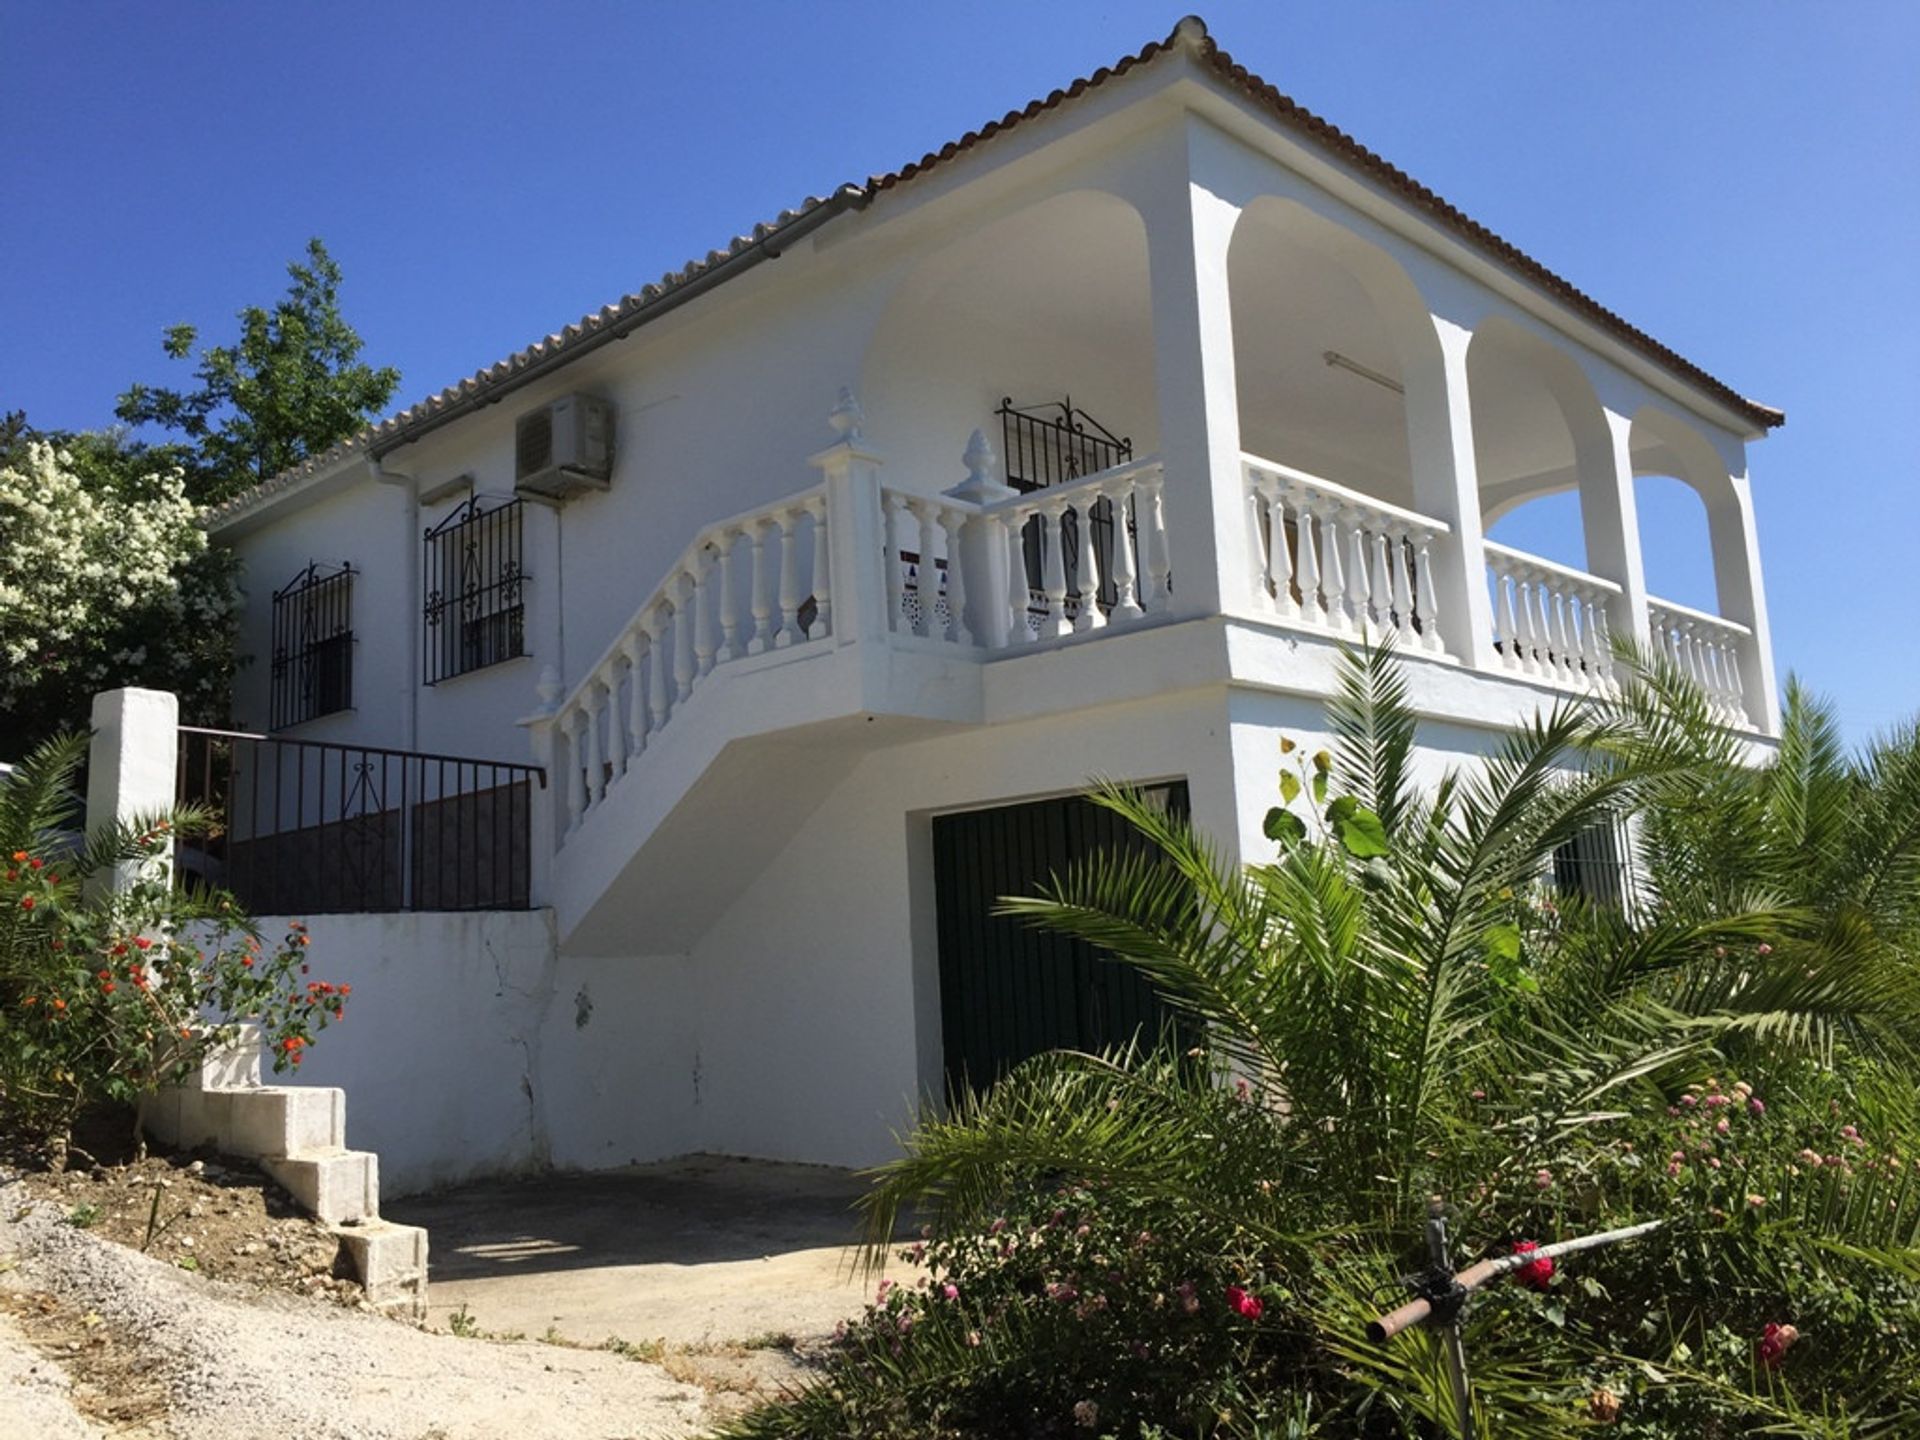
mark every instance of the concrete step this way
{"type": "Point", "coordinates": [391, 1261]}
{"type": "Point", "coordinates": [334, 1185]}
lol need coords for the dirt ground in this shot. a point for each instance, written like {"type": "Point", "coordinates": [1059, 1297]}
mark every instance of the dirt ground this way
{"type": "Point", "coordinates": [167, 1298]}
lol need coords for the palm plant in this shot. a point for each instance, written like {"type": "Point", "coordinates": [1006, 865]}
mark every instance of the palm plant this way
{"type": "Point", "coordinates": [1399, 1004]}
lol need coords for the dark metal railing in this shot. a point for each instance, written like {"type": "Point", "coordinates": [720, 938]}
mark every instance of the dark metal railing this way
{"type": "Point", "coordinates": [1054, 444]}
{"type": "Point", "coordinates": [308, 827]}
{"type": "Point", "coordinates": [312, 646]}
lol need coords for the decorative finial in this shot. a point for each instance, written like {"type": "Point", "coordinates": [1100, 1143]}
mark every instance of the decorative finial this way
{"type": "Point", "coordinates": [981, 485]}
{"type": "Point", "coordinates": [979, 458]}
{"type": "Point", "coordinates": [847, 417]}
{"type": "Point", "coordinates": [548, 689]}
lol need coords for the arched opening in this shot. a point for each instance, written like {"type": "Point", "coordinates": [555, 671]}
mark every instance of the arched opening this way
{"type": "Point", "coordinates": [1326, 331]}
{"type": "Point", "coordinates": [1676, 545]}
{"type": "Point", "coordinates": [1538, 432]}
{"type": "Point", "coordinates": [1692, 522]}
{"type": "Point", "coordinates": [1048, 306]}
{"type": "Point", "coordinates": [1544, 459]}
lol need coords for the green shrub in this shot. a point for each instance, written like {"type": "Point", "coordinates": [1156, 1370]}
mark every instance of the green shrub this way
{"type": "Point", "coordinates": [109, 990]}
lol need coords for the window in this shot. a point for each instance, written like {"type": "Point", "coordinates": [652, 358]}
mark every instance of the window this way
{"type": "Point", "coordinates": [474, 614]}
{"type": "Point", "coordinates": [312, 646]}
{"type": "Point", "coordinates": [1594, 865]}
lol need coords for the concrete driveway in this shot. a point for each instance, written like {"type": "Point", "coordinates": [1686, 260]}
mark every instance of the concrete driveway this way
{"type": "Point", "coordinates": [701, 1251]}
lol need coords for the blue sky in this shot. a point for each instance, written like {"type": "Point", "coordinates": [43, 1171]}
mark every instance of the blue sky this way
{"type": "Point", "coordinates": [1739, 179]}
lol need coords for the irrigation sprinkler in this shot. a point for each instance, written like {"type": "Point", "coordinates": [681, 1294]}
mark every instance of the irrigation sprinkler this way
{"type": "Point", "coordinates": [1441, 1294]}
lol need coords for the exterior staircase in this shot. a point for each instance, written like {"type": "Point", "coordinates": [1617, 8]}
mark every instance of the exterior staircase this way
{"type": "Point", "coordinates": [297, 1134]}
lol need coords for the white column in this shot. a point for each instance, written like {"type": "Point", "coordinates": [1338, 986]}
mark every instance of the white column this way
{"type": "Point", "coordinates": [1188, 231]}
{"type": "Point", "coordinates": [1611, 515]}
{"type": "Point", "coordinates": [132, 764]}
{"type": "Point", "coordinates": [1743, 596]}
{"type": "Point", "coordinates": [1446, 485]}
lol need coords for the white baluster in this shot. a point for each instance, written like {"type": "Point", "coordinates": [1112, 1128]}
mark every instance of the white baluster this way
{"type": "Point", "coordinates": [659, 695]}
{"type": "Point", "coordinates": [822, 580]}
{"type": "Point", "coordinates": [892, 506]}
{"type": "Point", "coordinates": [952, 523]}
{"type": "Point", "coordinates": [927, 582]}
{"type": "Point", "coordinates": [1359, 588]}
{"type": "Point", "coordinates": [1308, 569]}
{"type": "Point", "coordinates": [1736, 687]}
{"type": "Point", "coordinates": [703, 644]}
{"type": "Point", "coordinates": [1126, 602]}
{"type": "Point", "coordinates": [1333, 575]}
{"type": "Point", "coordinates": [1401, 596]}
{"type": "Point", "coordinates": [1504, 616]}
{"type": "Point", "coordinates": [636, 648]}
{"type": "Point", "coordinates": [1087, 575]}
{"type": "Point", "coordinates": [1053, 569]}
{"type": "Point", "coordinates": [1262, 566]}
{"type": "Point", "coordinates": [682, 591]}
{"type": "Point", "coordinates": [761, 600]}
{"type": "Point", "coordinates": [1279, 556]}
{"type": "Point", "coordinates": [789, 584]}
{"type": "Point", "coordinates": [596, 752]}
{"type": "Point", "coordinates": [570, 727]}
{"type": "Point", "coordinates": [1429, 597]}
{"type": "Point", "coordinates": [729, 601]}
{"type": "Point", "coordinates": [1603, 644]}
{"type": "Point", "coordinates": [1152, 523]}
{"type": "Point", "coordinates": [1380, 600]}
{"type": "Point", "coordinates": [1527, 605]}
{"type": "Point", "coordinates": [1588, 604]}
{"type": "Point", "coordinates": [1019, 630]}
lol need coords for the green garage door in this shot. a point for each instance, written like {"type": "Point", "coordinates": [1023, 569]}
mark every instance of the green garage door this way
{"type": "Point", "coordinates": [1007, 990]}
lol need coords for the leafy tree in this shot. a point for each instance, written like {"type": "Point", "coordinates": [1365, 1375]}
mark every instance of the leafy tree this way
{"type": "Point", "coordinates": [291, 387]}
{"type": "Point", "coordinates": [106, 579]}
{"type": "Point", "coordinates": [1399, 1006]}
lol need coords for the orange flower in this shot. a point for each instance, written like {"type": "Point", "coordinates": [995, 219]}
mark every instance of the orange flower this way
{"type": "Point", "coordinates": [19, 855]}
{"type": "Point", "coordinates": [31, 1000]}
{"type": "Point", "coordinates": [58, 1003]}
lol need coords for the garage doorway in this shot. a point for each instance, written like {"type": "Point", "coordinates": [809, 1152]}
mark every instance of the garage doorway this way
{"type": "Point", "coordinates": [1009, 991]}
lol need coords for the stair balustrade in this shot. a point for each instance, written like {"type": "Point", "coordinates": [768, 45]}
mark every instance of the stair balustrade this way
{"type": "Point", "coordinates": [1331, 558]}
{"type": "Point", "coordinates": [1551, 621]}
{"type": "Point", "coordinates": [754, 584]}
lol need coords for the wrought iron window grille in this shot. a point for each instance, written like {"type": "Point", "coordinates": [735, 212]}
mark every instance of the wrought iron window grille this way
{"type": "Point", "coordinates": [312, 666]}
{"type": "Point", "coordinates": [474, 613]}
{"type": "Point", "coordinates": [1053, 444]}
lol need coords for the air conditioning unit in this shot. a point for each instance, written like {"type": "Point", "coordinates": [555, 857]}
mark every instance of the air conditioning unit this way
{"type": "Point", "coordinates": [564, 447]}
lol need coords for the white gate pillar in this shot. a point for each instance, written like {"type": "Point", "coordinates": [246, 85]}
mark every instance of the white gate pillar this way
{"type": "Point", "coordinates": [131, 764]}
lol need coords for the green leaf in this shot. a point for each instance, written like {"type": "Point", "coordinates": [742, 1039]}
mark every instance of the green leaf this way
{"type": "Point", "coordinates": [1361, 832]}
{"type": "Point", "coordinates": [1503, 942]}
{"type": "Point", "coordinates": [1284, 827]}
{"type": "Point", "coordinates": [1289, 786]}
{"type": "Point", "coordinates": [1320, 788]}
{"type": "Point", "coordinates": [1322, 761]}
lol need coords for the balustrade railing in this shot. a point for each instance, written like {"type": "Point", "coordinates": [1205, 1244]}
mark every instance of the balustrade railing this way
{"type": "Point", "coordinates": [1091, 574]}
{"type": "Point", "coordinates": [1707, 650]}
{"type": "Point", "coordinates": [1327, 556]}
{"type": "Point", "coordinates": [759, 582]}
{"type": "Point", "coordinates": [1550, 620]}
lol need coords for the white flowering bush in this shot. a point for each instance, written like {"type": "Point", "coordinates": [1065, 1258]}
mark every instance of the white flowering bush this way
{"type": "Point", "coordinates": [106, 580]}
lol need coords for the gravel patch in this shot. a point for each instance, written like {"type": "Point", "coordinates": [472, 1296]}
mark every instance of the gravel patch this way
{"type": "Point", "coordinates": [36, 1397]}
{"type": "Point", "coordinates": [240, 1364]}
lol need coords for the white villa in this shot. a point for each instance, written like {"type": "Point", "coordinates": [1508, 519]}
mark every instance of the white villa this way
{"type": "Point", "coordinates": [787, 604]}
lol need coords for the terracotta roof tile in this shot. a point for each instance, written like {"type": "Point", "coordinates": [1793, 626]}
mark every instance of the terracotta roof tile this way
{"type": "Point", "coordinates": [1191, 33]}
